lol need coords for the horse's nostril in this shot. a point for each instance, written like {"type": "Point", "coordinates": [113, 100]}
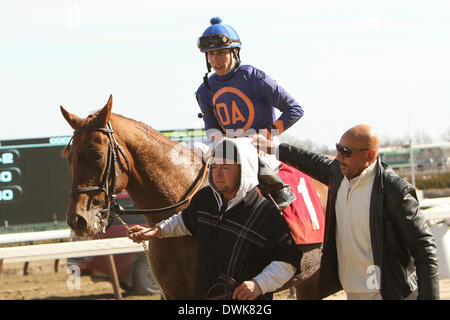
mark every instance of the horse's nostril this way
{"type": "Point", "coordinates": [95, 202]}
{"type": "Point", "coordinates": [80, 222]}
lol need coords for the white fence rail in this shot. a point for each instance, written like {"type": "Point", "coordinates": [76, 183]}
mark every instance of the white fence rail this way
{"type": "Point", "coordinates": [437, 214]}
{"type": "Point", "coordinates": [73, 249]}
{"type": "Point", "coordinates": [35, 236]}
{"type": "Point", "coordinates": [436, 210]}
{"type": "Point", "coordinates": [433, 202]}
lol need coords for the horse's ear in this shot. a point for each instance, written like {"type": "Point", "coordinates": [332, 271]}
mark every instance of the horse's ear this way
{"type": "Point", "coordinates": [73, 120]}
{"type": "Point", "coordinates": [104, 114]}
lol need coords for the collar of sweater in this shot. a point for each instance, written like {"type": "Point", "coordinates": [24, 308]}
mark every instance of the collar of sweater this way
{"type": "Point", "coordinates": [364, 176]}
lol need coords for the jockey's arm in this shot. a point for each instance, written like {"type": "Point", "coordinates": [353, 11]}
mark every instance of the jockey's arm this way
{"type": "Point", "coordinates": [278, 97]}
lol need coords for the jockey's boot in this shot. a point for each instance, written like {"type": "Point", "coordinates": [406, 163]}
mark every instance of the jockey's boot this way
{"type": "Point", "coordinates": [279, 191]}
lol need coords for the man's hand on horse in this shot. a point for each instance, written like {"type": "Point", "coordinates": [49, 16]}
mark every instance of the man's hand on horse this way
{"type": "Point", "coordinates": [139, 233]}
{"type": "Point", "coordinates": [247, 290]}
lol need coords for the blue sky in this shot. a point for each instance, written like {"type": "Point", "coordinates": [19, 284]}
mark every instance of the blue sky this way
{"type": "Point", "coordinates": [385, 63]}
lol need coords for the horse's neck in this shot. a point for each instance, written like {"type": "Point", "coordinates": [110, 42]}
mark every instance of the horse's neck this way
{"type": "Point", "coordinates": [162, 171]}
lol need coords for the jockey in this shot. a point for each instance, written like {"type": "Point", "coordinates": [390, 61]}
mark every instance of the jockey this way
{"type": "Point", "coordinates": [240, 100]}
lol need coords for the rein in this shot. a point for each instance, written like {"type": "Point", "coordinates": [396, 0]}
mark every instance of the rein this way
{"type": "Point", "coordinates": [193, 189]}
{"type": "Point", "coordinates": [229, 284]}
{"type": "Point", "coordinates": [110, 172]}
{"type": "Point", "coordinates": [226, 282]}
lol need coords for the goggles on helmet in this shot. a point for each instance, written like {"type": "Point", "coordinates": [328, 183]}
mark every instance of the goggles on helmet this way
{"type": "Point", "coordinates": [215, 40]}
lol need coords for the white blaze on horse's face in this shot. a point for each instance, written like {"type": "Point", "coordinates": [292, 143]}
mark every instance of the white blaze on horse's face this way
{"type": "Point", "coordinates": [87, 213]}
{"type": "Point", "coordinates": [93, 172]}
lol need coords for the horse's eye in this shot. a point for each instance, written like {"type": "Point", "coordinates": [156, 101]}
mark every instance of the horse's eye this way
{"type": "Point", "coordinates": [97, 155]}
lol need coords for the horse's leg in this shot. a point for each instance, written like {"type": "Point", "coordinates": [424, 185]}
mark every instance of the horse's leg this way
{"type": "Point", "coordinates": [308, 288]}
{"type": "Point", "coordinates": [175, 269]}
{"type": "Point", "coordinates": [310, 268]}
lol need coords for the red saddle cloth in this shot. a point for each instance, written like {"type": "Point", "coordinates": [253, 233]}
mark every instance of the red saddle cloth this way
{"type": "Point", "coordinates": [305, 216]}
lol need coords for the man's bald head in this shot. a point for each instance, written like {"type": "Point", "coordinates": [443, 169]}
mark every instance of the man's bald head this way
{"type": "Point", "coordinates": [363, 136]}
{"type": "Point", "coordinates": [363, 141]}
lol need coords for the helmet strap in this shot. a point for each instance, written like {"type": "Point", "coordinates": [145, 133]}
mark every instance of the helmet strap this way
{"type": "Point", "coordinates": [205, 81]}
{"type": "Point", "coordinates": [237, 57]}
{"type": "Point", "coordinates": [208, 65]}
{"type": "Point", "coordinates": [205, 78]}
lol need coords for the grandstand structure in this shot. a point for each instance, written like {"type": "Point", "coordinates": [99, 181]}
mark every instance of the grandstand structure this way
{"type": "Point", "coordinates": [423, 158]}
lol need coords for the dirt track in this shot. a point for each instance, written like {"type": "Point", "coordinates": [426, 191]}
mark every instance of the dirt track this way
{"type": "Point", "coordinates": [43, 283]}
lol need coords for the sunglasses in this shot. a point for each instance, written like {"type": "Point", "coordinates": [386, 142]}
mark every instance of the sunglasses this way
{"type": "Point", "coordinates": [346, 152]}
{"type": "Point", "coordinates": [216, 40]}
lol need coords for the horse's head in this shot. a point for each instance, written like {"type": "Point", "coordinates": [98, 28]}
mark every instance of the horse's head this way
{"type": "Point", "coordinates": [99, 169]}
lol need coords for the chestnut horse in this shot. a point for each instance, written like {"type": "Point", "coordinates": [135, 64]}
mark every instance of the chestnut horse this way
{"type": "Point", "coordinates": [156, 172]}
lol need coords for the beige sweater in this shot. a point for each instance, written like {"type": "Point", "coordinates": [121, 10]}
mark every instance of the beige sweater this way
{"type": "Point", "coordinates": [357, 273]}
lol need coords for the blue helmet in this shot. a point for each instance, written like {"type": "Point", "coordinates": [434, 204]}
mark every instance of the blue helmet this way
{"type": "Point", "coordinates": [218, 36]}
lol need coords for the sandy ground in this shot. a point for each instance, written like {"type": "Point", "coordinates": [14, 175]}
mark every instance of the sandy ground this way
{"type": "Point", "coordinates": [43, 283]}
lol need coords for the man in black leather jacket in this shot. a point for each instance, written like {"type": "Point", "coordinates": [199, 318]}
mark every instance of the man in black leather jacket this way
{"type": "Point", "coordinates": [392, 234]}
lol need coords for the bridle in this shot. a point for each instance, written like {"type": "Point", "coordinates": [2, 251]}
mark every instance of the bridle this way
{"type": "Point", "coordinates": [111, 174]}
{"type": "Point", "coordinates": [110, 171]}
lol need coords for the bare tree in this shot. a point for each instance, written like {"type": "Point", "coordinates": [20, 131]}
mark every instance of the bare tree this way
{"type": "Point", "coordinates": [446, 135]}
{"type": "Point", "coordinates": [387, 141]}
{"type": "Point", "coordinates": [290, 139]}
{"type": "Point", "coordinates": [307, 144]}
{"type": "Point", "coordinates": [421, 137]}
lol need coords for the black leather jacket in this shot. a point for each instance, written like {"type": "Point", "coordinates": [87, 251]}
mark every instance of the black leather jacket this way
{"type": "Point", "coordinates": [402, 243]}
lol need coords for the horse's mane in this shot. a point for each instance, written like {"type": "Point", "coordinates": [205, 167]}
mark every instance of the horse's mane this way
{"type": "Point", "coordinates": [155, 135]}
{"type": "Point", "coordinates": [150, 132]}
